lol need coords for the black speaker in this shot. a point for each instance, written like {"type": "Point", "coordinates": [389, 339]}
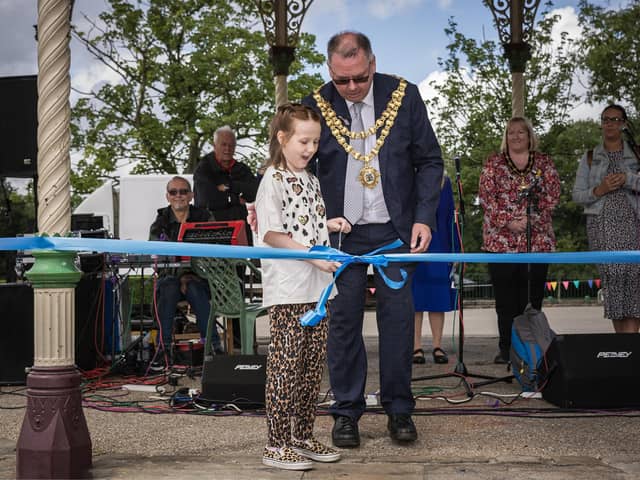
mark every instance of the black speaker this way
{"type": "Point", "coordinates": [90, 313]}
{"type": "Point", "coordinates": [16, 341]}
{"type": "Point", "coordinates": [19, 126]}
{"type": "Point", "coordinates": [593, 371]}
{"type": "Point", "coordinates": [238, 379]}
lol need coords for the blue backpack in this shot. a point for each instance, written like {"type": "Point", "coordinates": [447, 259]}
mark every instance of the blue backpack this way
{"type": "Point", "coordinates": [531, 336]}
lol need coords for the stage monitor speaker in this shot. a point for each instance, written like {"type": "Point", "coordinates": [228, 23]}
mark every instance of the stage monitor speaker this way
{"type": "Point", "coordinates": [593, 371]}
{"type": "Point", "coordinates": [238, 379]}
{"type": "Point", "coordinates": [16, 341]}
{"type": "Point", "coordinates": [18, 126]}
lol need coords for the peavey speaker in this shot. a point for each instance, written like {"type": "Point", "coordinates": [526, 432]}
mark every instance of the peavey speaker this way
{"type": "Point", "coordinates": [237, 379]}
{"type": "Point", "coordinates": [593, 371]}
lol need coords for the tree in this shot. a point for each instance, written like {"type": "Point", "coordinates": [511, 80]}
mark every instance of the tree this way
{"type": "Point", "coordinates": [186, 67]}
{"type": "Point", "coordinates": [17, 215]}
{"type": "Point", "coordinates": [610, 49]}
{"type": "Point", "coordinates": [472, 107]}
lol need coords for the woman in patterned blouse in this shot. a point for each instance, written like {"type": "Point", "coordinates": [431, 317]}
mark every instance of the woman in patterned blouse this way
{"type": "Point", "coordinates": [509, 180]}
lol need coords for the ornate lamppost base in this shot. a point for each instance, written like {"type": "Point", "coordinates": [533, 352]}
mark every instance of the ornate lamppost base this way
{"type": "Point", "coordinates": [54, 441]}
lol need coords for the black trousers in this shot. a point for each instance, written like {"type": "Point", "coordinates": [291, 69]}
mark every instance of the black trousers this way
{"type": "Point", "coordinates": [346, 354]}
{"type": "Point", "coordinates": [510, 291]}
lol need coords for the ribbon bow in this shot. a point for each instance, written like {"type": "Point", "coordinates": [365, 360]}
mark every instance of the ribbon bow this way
{"type": "Point", "coordinates": [313, 317]}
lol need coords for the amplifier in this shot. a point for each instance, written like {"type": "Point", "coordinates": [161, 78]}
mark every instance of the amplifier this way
{"type": "Point", "coordinates": [593, 371]}
{"type": "Point", "coordinates": [237, 379]}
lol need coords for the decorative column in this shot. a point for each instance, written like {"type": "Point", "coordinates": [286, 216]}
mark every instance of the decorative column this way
{"type": "Point", "coordinates": [54, 441]}
{"type": "Point", "coordinates": [514, 21]}
{"type": "Point", "coordinates": [282, 20]}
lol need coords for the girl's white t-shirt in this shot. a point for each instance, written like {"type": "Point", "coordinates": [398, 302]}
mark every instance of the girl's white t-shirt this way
{"type": "Point", "coordinates": [291, 202]}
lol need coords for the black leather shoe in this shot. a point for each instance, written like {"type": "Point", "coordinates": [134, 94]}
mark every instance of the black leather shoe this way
{"type": "Point", "coordinates": [401, 428]}
{"type": "Point", "coordinates": [345, 432]}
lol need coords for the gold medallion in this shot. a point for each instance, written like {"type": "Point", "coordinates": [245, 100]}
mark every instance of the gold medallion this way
{"type": "Point", "coordinates": [369, 176]}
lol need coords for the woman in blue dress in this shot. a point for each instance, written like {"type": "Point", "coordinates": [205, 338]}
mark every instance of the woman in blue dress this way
{"type": "Point", "coordinates": [433, 289]}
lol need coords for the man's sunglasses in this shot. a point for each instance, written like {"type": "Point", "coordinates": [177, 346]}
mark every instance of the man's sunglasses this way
{"type": "Point", "coordinates": [346, 81]}
{"type": "Point", "coordinates": [175, 191]}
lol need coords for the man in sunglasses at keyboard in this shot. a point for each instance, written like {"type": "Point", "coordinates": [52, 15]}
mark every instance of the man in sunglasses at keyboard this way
{"type": "Point", "coordinates": [380, 166]}
{"type": "Point", "coordinates": [176, 284]}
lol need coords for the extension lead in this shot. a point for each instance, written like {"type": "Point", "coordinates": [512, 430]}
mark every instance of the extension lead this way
{"type": "Point", "coordinates": [144, 388]}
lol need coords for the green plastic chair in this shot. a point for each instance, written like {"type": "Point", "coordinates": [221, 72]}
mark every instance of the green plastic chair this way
{"type": "Point", "coordinates": [228, 299]}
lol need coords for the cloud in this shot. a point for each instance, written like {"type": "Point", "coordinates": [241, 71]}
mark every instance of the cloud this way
{"type": "Point", "coordinates": [387, 8]}
{"type": "Point", "coordinates": [568, 22]}
{"type": "Point", "coordinates": [18, 47]}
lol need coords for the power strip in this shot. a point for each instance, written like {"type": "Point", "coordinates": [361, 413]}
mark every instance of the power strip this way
{"type": "Point", "coordinates": [144, 388]}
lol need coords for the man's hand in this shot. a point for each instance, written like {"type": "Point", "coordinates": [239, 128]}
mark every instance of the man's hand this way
{"type": "Point", "coordinates": [420, 238]}
{"type": "Point", "coordinates": [339, 224]}
{"type": "Point", "coordinates": [252, 218]}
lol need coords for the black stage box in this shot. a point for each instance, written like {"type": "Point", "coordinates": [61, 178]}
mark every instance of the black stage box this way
{"type": "Point", "coordinates": [16, 341]}
{"type": "Point", "coordinates": [18, 126]}
{"type": "Point", "coordinates": [593, 371]}
{"type": "Point", "coordinates": [238, 379]}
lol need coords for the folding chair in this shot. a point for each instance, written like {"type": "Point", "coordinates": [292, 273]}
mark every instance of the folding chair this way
{"type": "Point", "coordinates": [227, 297]}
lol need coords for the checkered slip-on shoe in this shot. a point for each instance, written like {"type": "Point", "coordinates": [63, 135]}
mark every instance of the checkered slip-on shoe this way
{"type": "Point", "coordinates": [315, 450]}
{"type": "Point", "coordinates": [285, 458]}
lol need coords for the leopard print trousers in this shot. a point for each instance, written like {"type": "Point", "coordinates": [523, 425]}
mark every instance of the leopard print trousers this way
{"type": "Point", "coordinates": [294, 370]}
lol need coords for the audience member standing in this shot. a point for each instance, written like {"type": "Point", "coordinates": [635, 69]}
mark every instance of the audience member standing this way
{"type": "Point", "coordinates": [222, 184]}
{"type": "Point", "coordinates": [507, 181]}
{"type": "Point", "coordinates": [607, 186]}
{"type": "Point", "coordinates": [433, 289]}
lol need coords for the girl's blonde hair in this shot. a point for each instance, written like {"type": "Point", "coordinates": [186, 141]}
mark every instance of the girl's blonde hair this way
{"type": "Point", "coordinates": [283, 121]}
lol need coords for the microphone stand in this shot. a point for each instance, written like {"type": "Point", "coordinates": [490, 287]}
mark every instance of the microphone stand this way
{"type": "Point", "coordinates": [460, 370]}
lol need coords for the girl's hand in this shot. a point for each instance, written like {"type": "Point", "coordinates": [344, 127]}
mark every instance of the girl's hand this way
{"type": "Point", "coordinates": [339, 224]}
{"type": "Point", "coordinates": [325, 265]}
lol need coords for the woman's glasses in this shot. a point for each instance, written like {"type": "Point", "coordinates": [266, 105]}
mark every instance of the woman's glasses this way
{"type": "Point", "coordinates": [175, 191]}
{"type": "Point", "coordinates": [612, 120]}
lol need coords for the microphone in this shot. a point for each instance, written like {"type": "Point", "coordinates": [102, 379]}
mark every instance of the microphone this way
{"type": "Point", "coordinates": [526, 191]}
{"type": "Point", "coordinates": [456, 159]}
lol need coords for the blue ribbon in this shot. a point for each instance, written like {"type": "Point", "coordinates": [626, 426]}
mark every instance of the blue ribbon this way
{"type": "Point", "coordinates": [234, 251]}
{"type": "Point", "coordinates": [313, 317]}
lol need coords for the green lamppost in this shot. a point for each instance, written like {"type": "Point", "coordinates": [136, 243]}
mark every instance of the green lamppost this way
{"type": "Point", "coordinates": [514, 21]}
{"type": "Point", "coordinates": [54, 440]}
{"type": "Point", "coordinates": [282, 20]}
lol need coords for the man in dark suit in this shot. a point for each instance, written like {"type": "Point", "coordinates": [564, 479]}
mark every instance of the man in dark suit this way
{"type": "Point", "coordinates": [385, 179]}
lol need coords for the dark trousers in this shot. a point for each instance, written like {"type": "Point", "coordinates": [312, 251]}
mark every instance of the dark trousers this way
{"type": "Point", "coordinates": [510, 291]}
{"type": "Point", "coordinates": [346, 354]}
